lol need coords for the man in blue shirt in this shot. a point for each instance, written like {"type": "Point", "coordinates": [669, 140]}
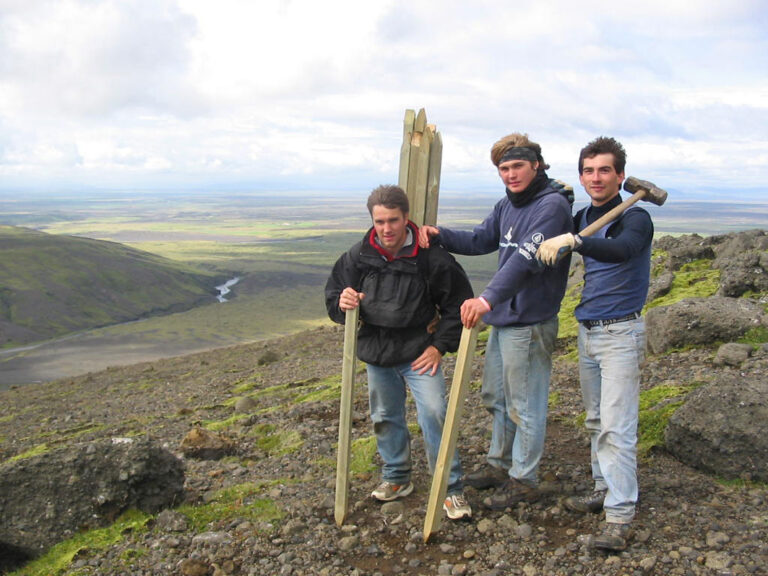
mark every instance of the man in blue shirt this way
{"type": "Point", "coordinates": [520, 303]}
{"type": "Point", "coordinates": [611, 336]}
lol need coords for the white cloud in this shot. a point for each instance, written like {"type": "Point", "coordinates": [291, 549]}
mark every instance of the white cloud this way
{"type": "Point", "coordinates": [312, 94]}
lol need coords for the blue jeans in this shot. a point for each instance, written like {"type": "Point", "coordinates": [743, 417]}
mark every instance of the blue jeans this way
{"type": "Point", "coordinates": [386, 393]}
{"type": "Point", "coordinates": [518, 365]}
{"type": "Point", "coordinates": [610, 362]}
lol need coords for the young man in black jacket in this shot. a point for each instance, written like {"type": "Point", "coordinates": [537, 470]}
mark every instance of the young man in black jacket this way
{"type": "Point", "coordinates": [410, 300]}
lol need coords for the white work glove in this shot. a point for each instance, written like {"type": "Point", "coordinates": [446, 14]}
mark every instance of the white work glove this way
{"type": "Point", "coordinates": [553, 249]}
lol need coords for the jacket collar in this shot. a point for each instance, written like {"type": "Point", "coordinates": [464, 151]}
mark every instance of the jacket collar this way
{"type": "Point", "coordinates": [409, 250]}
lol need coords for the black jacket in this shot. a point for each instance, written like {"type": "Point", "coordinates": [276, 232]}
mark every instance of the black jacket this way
{"type": "Point", "coordinates": [402, 297]}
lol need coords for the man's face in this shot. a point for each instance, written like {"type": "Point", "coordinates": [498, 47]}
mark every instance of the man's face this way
{"type": "Point", "coordinates": [391, 227]}
{"type": "Point", "coordinates": [517, 174]}
{"type": "Point", "coordinates": [600, 179]}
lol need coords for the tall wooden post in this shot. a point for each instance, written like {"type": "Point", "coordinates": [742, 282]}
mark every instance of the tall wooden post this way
{"type": "Point", "coordinates": [420, 160]}
{"type": "Point", "coordinates": [459, 388]}
{"type": "Point", "coordinates": [345, 414]}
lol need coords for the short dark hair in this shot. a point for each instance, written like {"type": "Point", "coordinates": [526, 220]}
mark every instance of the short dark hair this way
{"type": "Point", "coordinates": [389, 196]}
{"type": "Point", "coordinates": [516, 139]}
{"type": "Point", "coordinates": [604, 145]}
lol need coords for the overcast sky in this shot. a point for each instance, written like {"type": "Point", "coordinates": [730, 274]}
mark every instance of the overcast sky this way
{"type": "Point", "coordinates": [309, 94]}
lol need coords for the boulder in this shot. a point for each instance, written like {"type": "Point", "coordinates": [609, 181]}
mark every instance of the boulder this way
{"type": "Point", "coordinates": [743, 273]}
{"type": "Point", "coordinates": [697, 321]}
{"type": "Point", "coordinates": [729, 246]}
{"type": "Point", "coordinates": [660, 286]}
{"type": "Point", "coordinates": [723, 428]}
{"type": "Point", "coordinates": [205, 445]}
{"type": "Point", "coordinates": [684, 249]}
{"type": "Point", "coordinates": [49, 497]}
{"type": "Point", "coordinates": [245, 405]}
{"type": "Point", "coordinates": [732, 354]}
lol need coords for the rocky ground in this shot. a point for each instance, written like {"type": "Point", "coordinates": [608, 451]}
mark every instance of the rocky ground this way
{"type": "Point", "coordinates": [688, 522]}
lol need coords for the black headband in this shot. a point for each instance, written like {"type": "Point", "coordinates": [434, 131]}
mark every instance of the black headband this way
{"type": "Point", "coordinates": [519, 153]}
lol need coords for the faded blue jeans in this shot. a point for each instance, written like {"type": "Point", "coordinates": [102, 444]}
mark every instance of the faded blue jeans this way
{"type": "Point", "coordinates": [610, 363]}
{"type": "Point", "coordinates": [518, 365]}
{"type": "Point", "coordinates": [387, 394]}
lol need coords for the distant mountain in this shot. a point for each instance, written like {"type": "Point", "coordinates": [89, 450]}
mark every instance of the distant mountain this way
{"type": "Point", "coordinates": [52, 285]}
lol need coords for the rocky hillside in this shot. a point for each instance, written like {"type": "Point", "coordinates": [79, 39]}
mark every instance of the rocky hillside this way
{"type": "Point", "coordinates": [52, 285]}
{"type": "Point", "coordinates": [258, 493]}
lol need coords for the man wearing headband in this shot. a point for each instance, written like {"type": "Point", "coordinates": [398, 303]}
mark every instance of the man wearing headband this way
{"type": "Point", "coordinates": [520, 303]}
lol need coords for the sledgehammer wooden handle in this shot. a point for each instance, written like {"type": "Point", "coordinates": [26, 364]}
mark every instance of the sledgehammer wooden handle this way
{"type": "Point", "coordinates": [611, 215]}
{"type": "Point", "coordinates": [643, 190]}
{"type": "Point", "coordinates": [461, 375]}
{"type": "Point", "coordinates": [345, 414]}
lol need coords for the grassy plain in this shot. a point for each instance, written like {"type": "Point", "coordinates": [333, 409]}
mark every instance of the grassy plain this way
{"type": "Point", "coordinates": [280, 245]}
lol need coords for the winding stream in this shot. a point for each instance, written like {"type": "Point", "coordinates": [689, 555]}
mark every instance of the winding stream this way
{"type": "Point", "coordinates": [224, 289]}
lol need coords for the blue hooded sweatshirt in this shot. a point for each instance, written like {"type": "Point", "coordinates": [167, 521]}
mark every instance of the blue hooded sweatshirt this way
{"type": "Point", "coordinates": [523, 291]}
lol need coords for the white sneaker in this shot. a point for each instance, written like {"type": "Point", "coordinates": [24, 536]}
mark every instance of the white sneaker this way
{"type": "Point", "coordinates": [456, 507]}
{"type": "Point", "coordinates": [386, 491]}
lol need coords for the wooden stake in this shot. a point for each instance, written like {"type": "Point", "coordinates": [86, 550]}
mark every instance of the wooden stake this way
{"type": "Point", "coordinates": [433, 180]}
{"type": "Point", "coordinates": [418, 168]}
{"type": "Point", "coordinates": [405, 149]}
{"type": "Point", "coordinates": [459, 388]}
{"type": "Point", "coordinates": [345, 414]}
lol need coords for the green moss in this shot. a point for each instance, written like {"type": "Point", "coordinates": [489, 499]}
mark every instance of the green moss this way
{"type": "Point", "coordinates": [650, 430]}
{"type": "Point", "coordinates": [7, 418]}
{"type": "Point", "coordinates": [656, 407]}
{"type": "Point", "coordinates": [271, 391]}
{"type": "Point", "coordinates": [72, 433]}
{"type": "Point", "coordinates": [34, 451]}
{"type": "Point", "coordinates": [659, 260]}
{"type": "Point", "coordinates": [245, 386]}
{"type": "Point", "coordinates": [554, 400]}
{"type": "Point", "coordinates": [269, 409]}
{"type": "Point", "coordinates": [215, 425]}
{"type": "Point", "coordinates": [572, 355]}
{"type": "Point", "coordinates": [327, 389]}
{"type": "Point", "coordinates": [759, 296]}
{"type": "Point", "coordinates": [694, 280]}
{"type": "Point", "coordinates": [568, 326]}
{"type": "Point", "coordinates": [276, 442]}
{"type": "Point", "coordinates": [243, 501]}
{"type": "Point", "coordinates": [755, 336]}
{"type": "Point", "coordinates": [58, 559]}
{"type": "Point", "coordinates": [128, 556]}
{"type": "Point", "coordinates": [742, 484]}
{"type": "Point", "coordinates": [362, 453]}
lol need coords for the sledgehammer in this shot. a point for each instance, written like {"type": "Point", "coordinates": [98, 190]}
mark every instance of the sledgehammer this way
{"type": "Point", "coordinates": [641, 189]}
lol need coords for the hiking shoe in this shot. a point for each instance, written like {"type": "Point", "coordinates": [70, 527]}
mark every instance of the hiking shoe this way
{"type": "Point", "coordinates": [510, 493]}
{"type": "Point", "coordinates": [614, 537]}
{"type": "Point", "coordinates": [386, 491]}
{"type": "Point", "coordinates": [486, 476]}
{"type": "Point", "coordinates": [456, 507]}
{"type": "Point", "coordinates": [592, 502]}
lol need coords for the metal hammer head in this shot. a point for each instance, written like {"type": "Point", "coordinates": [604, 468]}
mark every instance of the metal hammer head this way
{"type": "Point", "coordinates": [652, 192]}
